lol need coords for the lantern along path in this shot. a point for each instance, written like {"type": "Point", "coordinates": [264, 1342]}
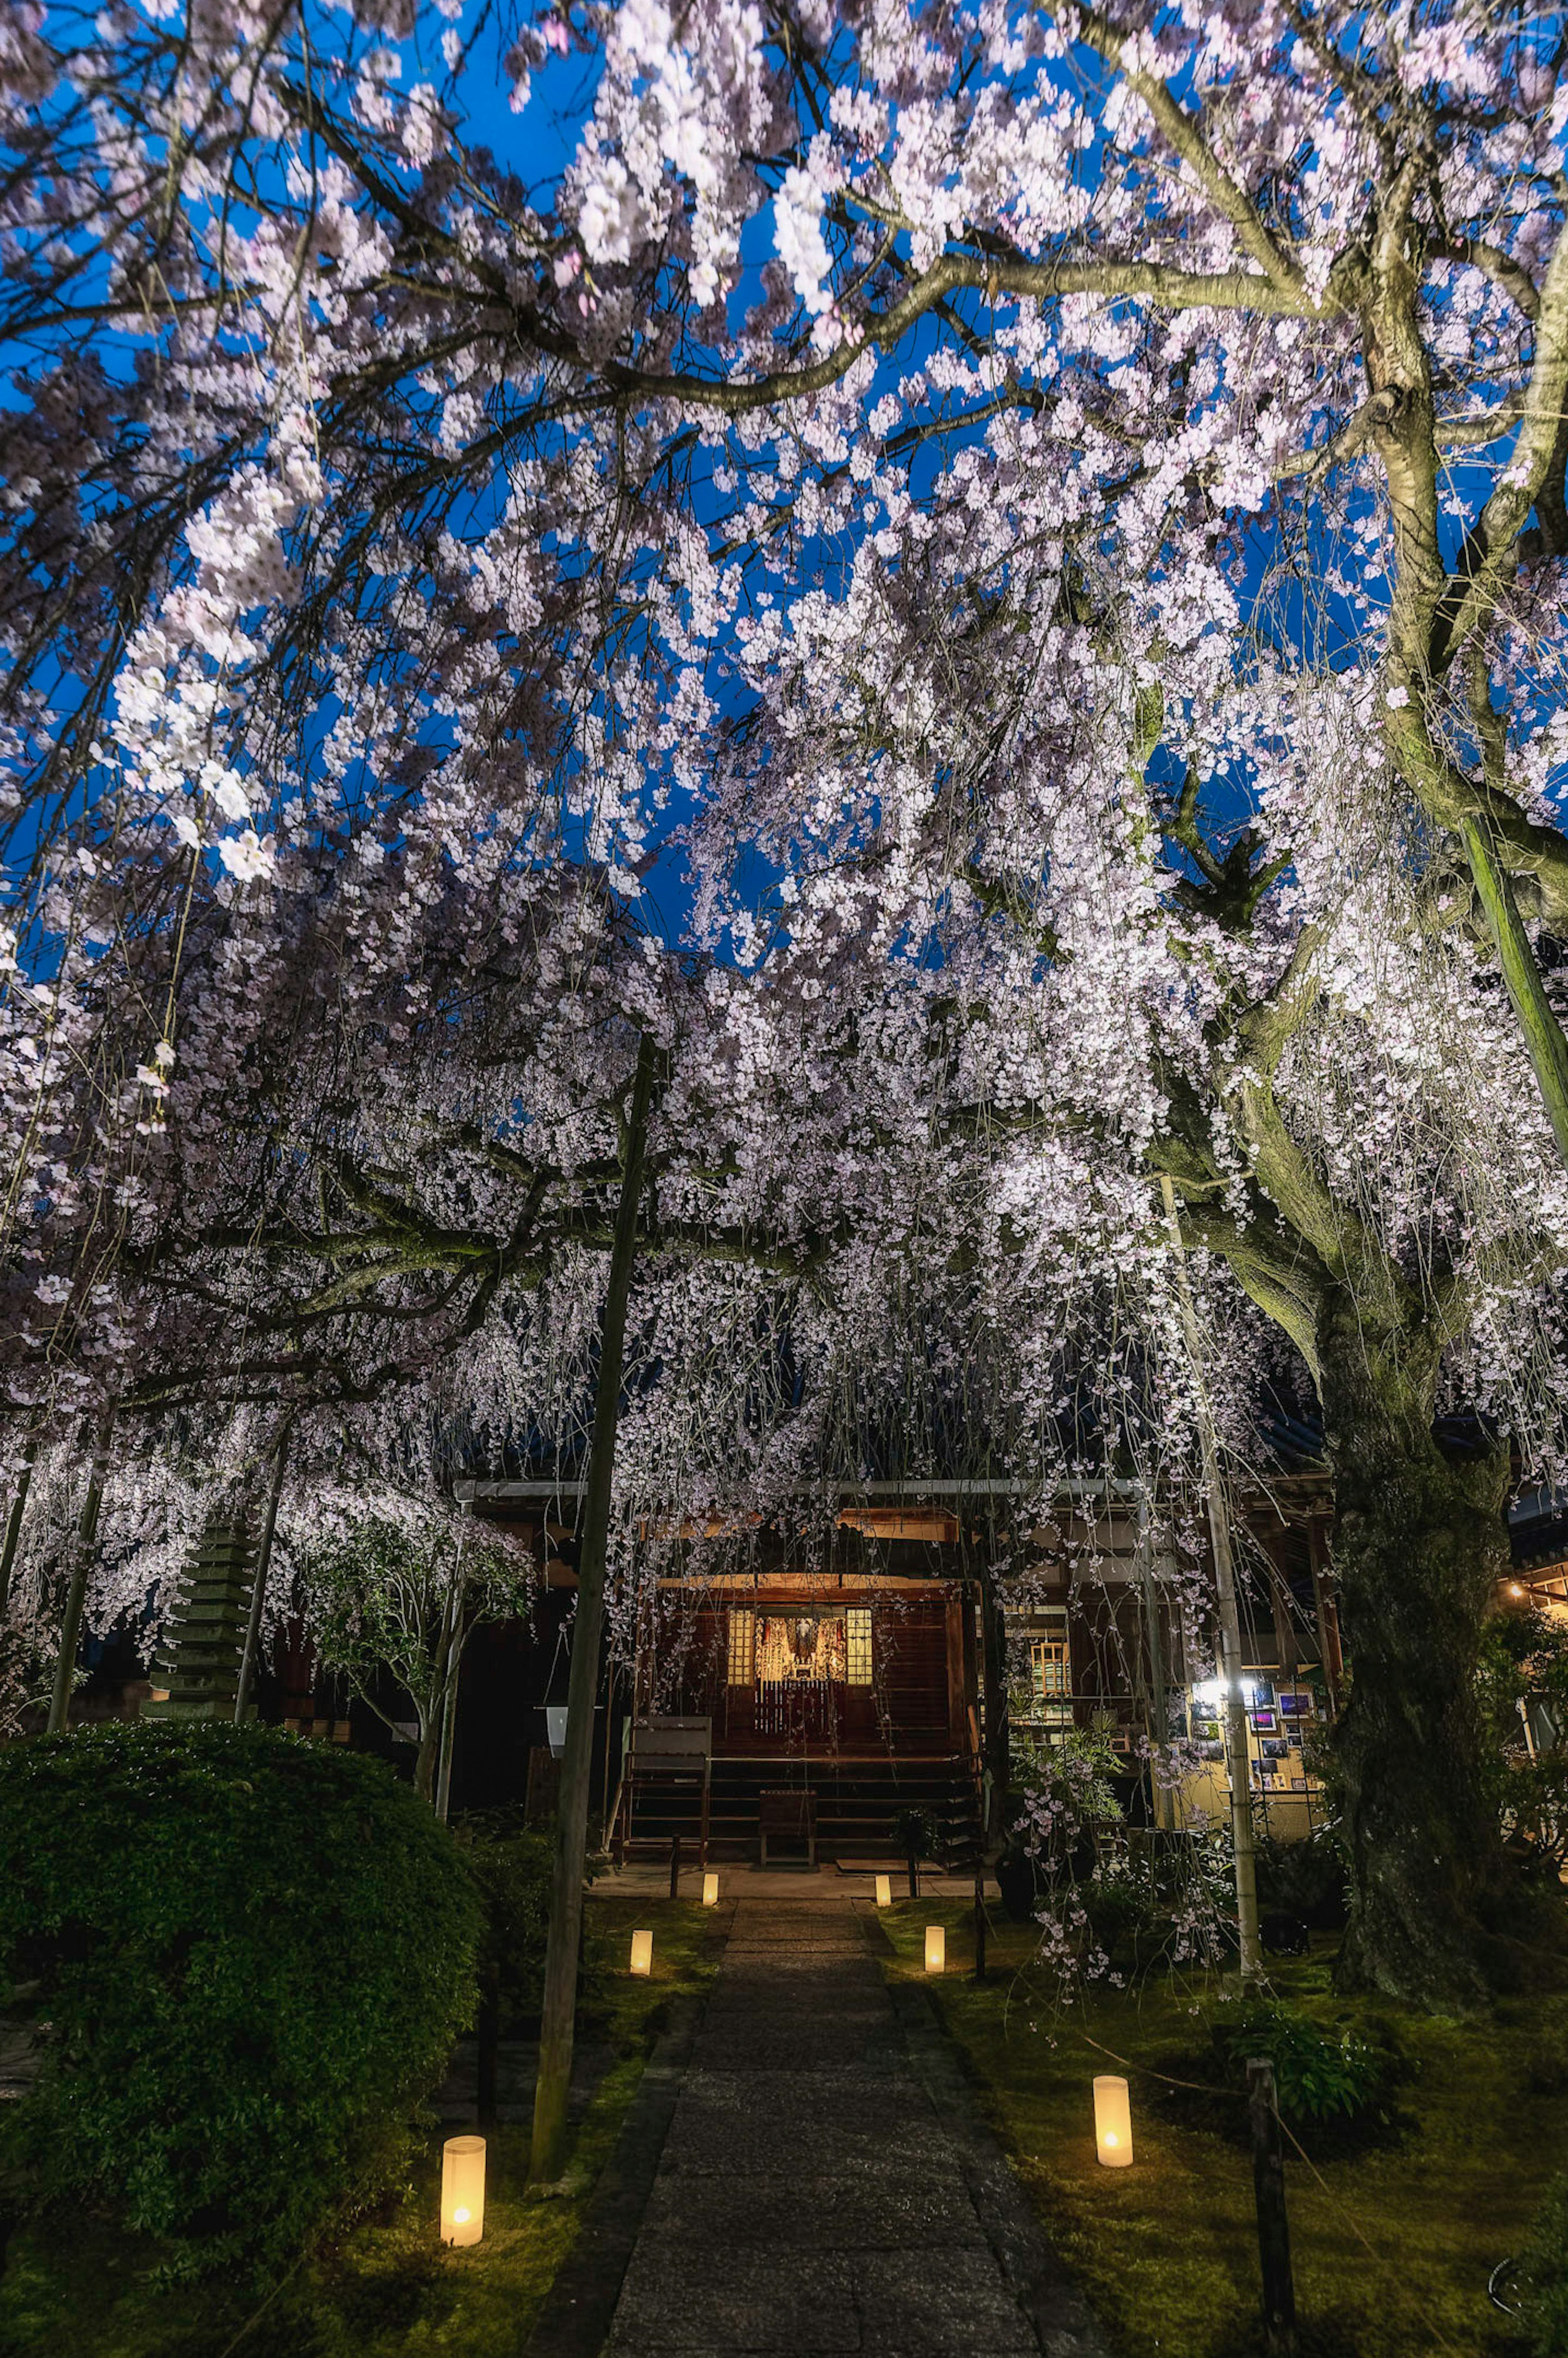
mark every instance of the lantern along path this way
{"type": "Point", "coordinates": [824, 2184]}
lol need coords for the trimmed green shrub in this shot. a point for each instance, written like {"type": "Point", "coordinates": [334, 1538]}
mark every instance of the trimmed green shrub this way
{"type": "Point", "coordinates": [1543, 2275]}
{"type": "Point", "coordinates": [1317, 2077]}
{"type": "Point", "coordinates": [252, 1955]}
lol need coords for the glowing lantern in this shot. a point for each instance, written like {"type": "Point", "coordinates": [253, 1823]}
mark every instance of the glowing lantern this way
{"type": "Point", "coordinates": [936, 1949]}
{"type": "Point", "coordinates": [462, 2189]}
{"type": "Point", "coordinates": [1113, 2121]}
{"type": "Point", "coordinates": [709, 1890]}
{"type": "Point", "coordinates": [884, 1892]}
{"type": "Point", "coordinates": [642, 1952]}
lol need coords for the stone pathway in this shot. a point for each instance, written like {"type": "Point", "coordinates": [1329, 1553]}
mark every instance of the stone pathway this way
{"type": "Point", "coordinates": [811, 2197]}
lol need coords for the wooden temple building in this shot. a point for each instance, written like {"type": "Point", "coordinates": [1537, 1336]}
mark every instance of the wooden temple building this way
{"type": "Point", "coordinates": [896, 1660]}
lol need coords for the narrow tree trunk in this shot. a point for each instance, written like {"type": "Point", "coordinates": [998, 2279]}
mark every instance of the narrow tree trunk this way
{"type": "Point", "coordinates": [1418, 1544]}
{"type": "Point", "coordinates": [14, 1520]}
{"type": "Point", "coordinates": [557, 2021]}
{"type": "Point", "coordinates": [80, 1566]}
{"type": "Point", "coordinates": [425, 1759]}
{"type": "Point", "coordinates": [263, 1565]}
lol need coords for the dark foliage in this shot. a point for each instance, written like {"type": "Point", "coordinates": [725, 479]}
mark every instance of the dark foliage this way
{"type": "Point", "coordinates": [1322, 2080]}
{"type": "Point", "coordinates": [1306, 1879]}
{"type": "Point", "coordinates": [252, 1955]}
{"type": "Point", "coordinates": [1542, 2278]}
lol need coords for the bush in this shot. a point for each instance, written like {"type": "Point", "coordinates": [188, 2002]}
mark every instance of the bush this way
{"type": "Point", "coordinates": [512, 1866]}
{"type": "Point", "coordinates": [1543, 2276]}
{"type": "Point", "coordinates": [1307, 1879]}
{"type": "Point", "coordinates": [1318, 2078]}
{"type": "Point", "coordinates": [251, 1956]}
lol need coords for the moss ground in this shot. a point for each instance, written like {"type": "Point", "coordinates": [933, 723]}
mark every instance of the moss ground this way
{"type": "Point", "coordinates": [1392, 2245]}
{"type": "Point", "coordinates": [389, 2290]}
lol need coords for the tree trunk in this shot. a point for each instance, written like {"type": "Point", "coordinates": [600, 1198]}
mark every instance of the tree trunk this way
{"type": "Point", "coordinates": [564, 1942]}
{"type": "Point", "coordinates": [1419, 1541]}
{"type": "Point", "coordinates": [426, 1757]}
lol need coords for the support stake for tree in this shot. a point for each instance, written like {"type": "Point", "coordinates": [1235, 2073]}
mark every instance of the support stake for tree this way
{"type": "Point", "coordinates": [263, 1562]}
{"type": "Point", "coordinates": [80, 1565]}
{"type": "Point", "coordinates": [1161, 1796]}
{"type": "Point", "coordinates": [1273, 2227]}
{"type": "Point", "coordinates": [451, 1664]}
{"type": "Point", "coordinates": [675, 1867]}
{"type": "Point", "coordinates": [979, 1919]}
{"type": "Point", "coordinates": [1247, 1940]}
{"type": "Point", "coordinates": [557, 2023]}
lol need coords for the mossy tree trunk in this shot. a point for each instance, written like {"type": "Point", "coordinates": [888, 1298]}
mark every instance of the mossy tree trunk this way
{"type": "Point", "coordinates": [1419, 1541]}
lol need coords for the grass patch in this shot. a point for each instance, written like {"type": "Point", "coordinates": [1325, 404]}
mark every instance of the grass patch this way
{"type": "Point", "coordinates": [389, 2290]}
{"type": "Point", "coordinates": [1166, 2251]}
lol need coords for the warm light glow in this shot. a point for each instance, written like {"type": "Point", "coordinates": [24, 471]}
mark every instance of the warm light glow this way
{"type": "Point", "coordinates": [709, 1890]}
{"type": "Point", "coordinates": [1113, 2121]}
{"type": "Point", "coordinates": [462, 2189]}
{"type": "Point", "coordinates": [936, 1949]}
{"type": "Point", "coordinates": [642, 1952]}
{"type": "Point", "coordinates": [884, 1892]}
{"type": "Point", "coordinates": [1515, 1589]}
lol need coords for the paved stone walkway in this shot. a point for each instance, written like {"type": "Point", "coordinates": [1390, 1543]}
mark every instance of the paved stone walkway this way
{"type": "Point", "coordinates": [811, 2197]}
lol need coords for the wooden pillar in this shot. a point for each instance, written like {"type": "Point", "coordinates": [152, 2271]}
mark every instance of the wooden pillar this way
{"type": "Point", "coordinates": [1329, 1647]}
{"type": "Point", "coordinates": [1282, 1605]}
{"type": "Point", "coordinates": [957, 1701]}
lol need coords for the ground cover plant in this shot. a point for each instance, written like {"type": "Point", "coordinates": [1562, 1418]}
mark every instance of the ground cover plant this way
{"type": "Point", "coordinates": [1166, 2251]}
{"type": "Point", "coordinates": [385, 2288]}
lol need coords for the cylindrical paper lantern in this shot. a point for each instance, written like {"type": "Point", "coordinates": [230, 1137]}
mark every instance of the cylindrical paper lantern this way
{"type": "Point", "coordinates": [1113, 2121]}
{"type": "Point", "coordinates": [936, 1949]}
{"type": "Point", "coordinates": [884, 1892]}
{"type": "Point", "coordinates": [642, 1952]}
{"type": "Point", "coordinates": [462, 2189]}
{"type": "Point", "coordinates": [709, 1890]}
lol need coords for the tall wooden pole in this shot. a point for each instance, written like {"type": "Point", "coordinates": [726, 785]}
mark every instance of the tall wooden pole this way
{"type": "Point", "coordinates": [264, 1563]}
{"type": "Point", "coordinates": [1329, 1652]}
{"type": "Point", "coordinates": [1154, 1634]}
{"type": "Point", "coordinates": [557, 2023]}
{"type": "Point", "coordinates": [80, 1565]}
{"type": "Point", "coordinates": [14, 1519]}
{"type": "Point", "coordinates": [1249, 1942]}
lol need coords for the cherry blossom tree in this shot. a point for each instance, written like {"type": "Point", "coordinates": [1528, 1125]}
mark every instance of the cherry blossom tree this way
{"type": "Point", "coordinates": [1061, 509]}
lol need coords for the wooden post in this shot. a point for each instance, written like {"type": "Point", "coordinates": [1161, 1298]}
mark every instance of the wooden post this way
{"type": "Point", "coordinates": [557, 2023]}
{"type": "Point", "coordinates": [1240, 1757]}
{"type": "Point", "coordinates": [1282, 1604]}
{"type": "Point", "coordinates": [675, 1867]}
{"type": "Point", "coordinates": [264, 1561]}
{"type": "Point", "coordinates": [488, 2044]}
{"type": "Point", "coordinates": [1154, 1637]}
{"type": "Point", "coordinates": [81, 1565]}
{"type": "Point", "coordinates": [1273, 2227]}
{"type": "Point", "coordinates": [1329, 1650]}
